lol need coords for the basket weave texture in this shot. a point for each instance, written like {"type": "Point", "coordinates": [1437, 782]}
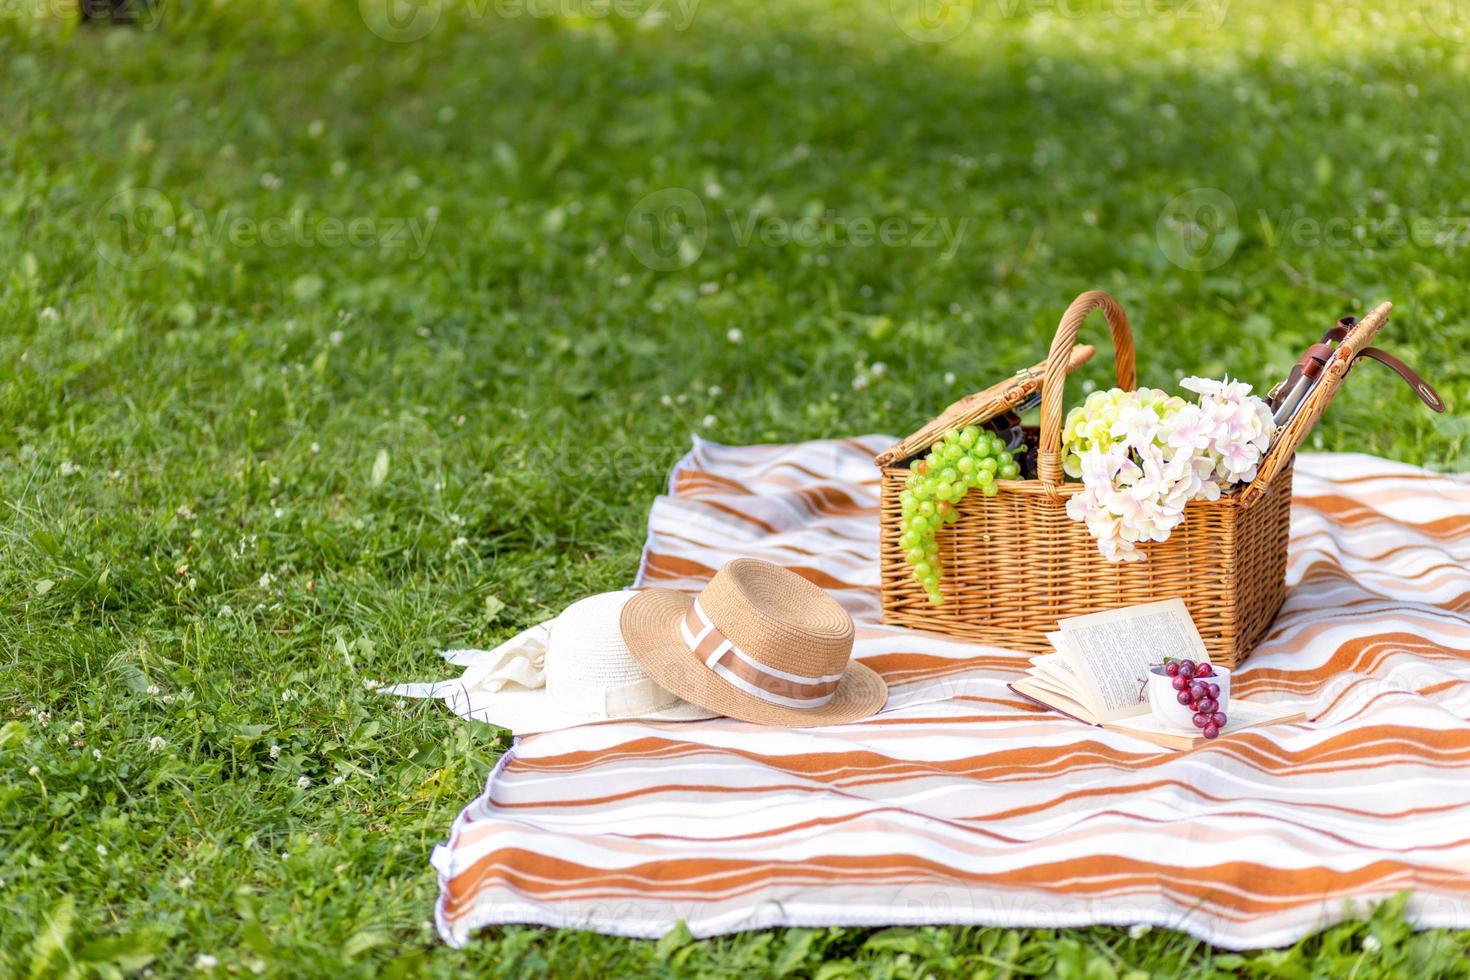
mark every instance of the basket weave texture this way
{"type": "Point", "coordinates": [1015, 564]}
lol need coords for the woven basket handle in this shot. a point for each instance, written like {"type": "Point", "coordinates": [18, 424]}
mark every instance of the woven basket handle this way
{"type": "Point", "coordinates": [1290, 437]}
{"type": "Point", "coordinates": [1049, 459]}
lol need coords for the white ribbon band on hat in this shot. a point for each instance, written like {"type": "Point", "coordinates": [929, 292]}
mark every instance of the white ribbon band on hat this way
{"type": "Point", "coordinates": [742, 671]}
{"type": "Point", "coordinates": [595, 701]}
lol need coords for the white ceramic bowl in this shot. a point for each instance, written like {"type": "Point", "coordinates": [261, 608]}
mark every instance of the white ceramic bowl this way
{"type": "Point", "coordinates": [1163, 700]}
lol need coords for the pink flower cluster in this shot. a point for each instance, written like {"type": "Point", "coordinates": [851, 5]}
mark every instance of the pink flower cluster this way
{"type": "Point", "coordinates": [1143, 455]}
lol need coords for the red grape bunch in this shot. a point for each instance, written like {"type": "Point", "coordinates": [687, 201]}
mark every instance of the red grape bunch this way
{"type": "Point", "coordinates": [1199, 693]}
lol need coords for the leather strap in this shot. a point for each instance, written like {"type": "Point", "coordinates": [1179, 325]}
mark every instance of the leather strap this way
{"type": "Point", "coordinates": [1335, 335]}
{"type": "Point", "coordinates": [1422, 388]}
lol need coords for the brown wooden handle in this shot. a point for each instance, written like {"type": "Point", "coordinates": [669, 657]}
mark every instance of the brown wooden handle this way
{"type": "Point", "coordinates": [1049, 459]}
{"type": "Point", "coordinates": [1295, 431]}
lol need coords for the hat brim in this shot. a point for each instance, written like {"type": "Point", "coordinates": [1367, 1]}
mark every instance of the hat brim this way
{"type": "Point", "coordinates": [532, 712]}
{"type": "Point", "coordinates": [650, 623]}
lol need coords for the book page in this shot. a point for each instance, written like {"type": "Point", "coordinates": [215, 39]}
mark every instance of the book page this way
{"type": "Point", "coordinates": [1040, 683]}
{"type": "Point", "coordinates": [1079, 685]}
{"type": "Point", "coordinates": [1053, 666]}
{"type": "Point", "coordinates": [1052, 699]}
{"type": "Point", "coordinates": [1110, 652]}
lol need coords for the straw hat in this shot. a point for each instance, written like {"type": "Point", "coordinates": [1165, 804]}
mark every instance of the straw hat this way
{"type": "Point", "coordinates": [574, 670]}
{"type": "Point", "coordinates": [759, 644]}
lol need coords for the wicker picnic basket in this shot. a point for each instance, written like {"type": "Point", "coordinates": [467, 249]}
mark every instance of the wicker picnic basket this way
{"type": "Point", "coordinates": [1015, 564]}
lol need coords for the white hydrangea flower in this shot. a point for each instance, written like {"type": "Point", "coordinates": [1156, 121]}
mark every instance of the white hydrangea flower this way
{"type": "Point", "coordinates": [1136, 425]}
{"type": "Point", "coordinates": [1225, 390]}
{"type": "Point", "coordinates": [1190, 429]}
{"type": "Point", "coordinates": [1143, 455]}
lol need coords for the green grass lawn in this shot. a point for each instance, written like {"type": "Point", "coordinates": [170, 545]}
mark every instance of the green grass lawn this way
{"type": "Point", "coordinates": [323, 352]}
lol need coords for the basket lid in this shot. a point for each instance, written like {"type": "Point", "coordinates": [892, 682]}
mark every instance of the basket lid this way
{"type": "Point", "coordinates": [980, 407]}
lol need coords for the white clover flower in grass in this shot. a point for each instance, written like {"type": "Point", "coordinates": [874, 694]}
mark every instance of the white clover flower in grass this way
{"type": "Point", "coordinates": [275, 751]}
{"type": "Point", "coordinates": [204, 962]}
{"type": "Point", "coordinates": [1371, 944]}
{"type": "Point", "coordinates": [304, 782]}
{"type": "Point", "coordinates": [734, 335]}
{"type": "Point", "coordinates": [157, 744]}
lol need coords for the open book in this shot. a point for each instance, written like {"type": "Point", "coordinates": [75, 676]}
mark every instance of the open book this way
{"type": "Point", "coordinates": [1099, 673]}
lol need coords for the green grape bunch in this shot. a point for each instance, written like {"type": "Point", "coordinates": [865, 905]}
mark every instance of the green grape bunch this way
{"type": "Point", "coordinates": [963, 458]}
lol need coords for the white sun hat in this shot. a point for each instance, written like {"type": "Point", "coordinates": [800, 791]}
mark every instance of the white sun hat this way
{"type": "Point", "coordinates": [571, 670]}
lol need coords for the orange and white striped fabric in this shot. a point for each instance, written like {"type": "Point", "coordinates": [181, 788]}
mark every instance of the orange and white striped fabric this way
{"type": "Point", "coordinates": [962, 804]}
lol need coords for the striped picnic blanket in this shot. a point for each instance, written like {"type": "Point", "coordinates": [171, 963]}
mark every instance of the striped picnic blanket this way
{"type": "Point", "coordinates": [962, 804]}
